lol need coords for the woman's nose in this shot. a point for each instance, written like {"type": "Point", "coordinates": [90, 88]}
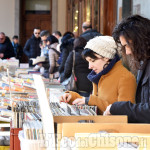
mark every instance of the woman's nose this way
{"type": "Point", "coordinates": [128, 51]}
{"type": "Point", "coordinates": [90, 66]}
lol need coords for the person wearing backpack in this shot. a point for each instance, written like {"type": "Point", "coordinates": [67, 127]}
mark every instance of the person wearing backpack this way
{"type": "Point", "coordinates": [53, 55]}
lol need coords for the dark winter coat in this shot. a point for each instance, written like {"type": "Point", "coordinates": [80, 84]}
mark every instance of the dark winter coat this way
{"type": "Point", "coordinates": [140, 112]}
{"type": "Point", "coordinates": [7, 49]}
{"type": "Point", "coordinates": [90, 34]}
{"type": "Point", "coordinates": [31, 48]}
{"type": "Point", "coordinates": [65, 48]}
{"type": "Point", "coordinates": [81, 71]}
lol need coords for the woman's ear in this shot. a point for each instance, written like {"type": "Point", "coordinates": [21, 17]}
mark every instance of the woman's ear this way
{"type": "Point", "coordinates": [106, 59]}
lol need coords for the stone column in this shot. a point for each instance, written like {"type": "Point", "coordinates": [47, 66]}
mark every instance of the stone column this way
{"type": "Point", "coordinates": [17, 17]}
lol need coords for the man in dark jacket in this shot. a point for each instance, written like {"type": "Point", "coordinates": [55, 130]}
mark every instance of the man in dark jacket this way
{"type": "Point", "coordinates": [32, 48]}
{"type": "Point", "coordinates": [88, 32]}
{"type": "Point", "coordinates": [6, 48]}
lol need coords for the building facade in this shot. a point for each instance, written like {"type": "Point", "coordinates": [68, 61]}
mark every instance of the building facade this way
{"type": "Point", "coordinates": [19, 17]}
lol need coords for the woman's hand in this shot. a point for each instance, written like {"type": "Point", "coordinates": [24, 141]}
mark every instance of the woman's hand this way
{"type": "Point", "coordinates": [65, 98]}
{"type": "Point", "coordinates": [107, 111]}
{"type": "Point", "coordinates": [79, 101]}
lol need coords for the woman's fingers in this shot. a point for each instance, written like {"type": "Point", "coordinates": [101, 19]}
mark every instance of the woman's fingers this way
{"type": "Point", "coordinates": [68, 98]}
{"type": "Point", "coordinates": [65, 98]}
{"type": "Point", "coordinates": [79, 101]}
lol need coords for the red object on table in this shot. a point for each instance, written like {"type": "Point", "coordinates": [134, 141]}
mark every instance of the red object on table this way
{"type": "Point", "coordinates": [14, 140]}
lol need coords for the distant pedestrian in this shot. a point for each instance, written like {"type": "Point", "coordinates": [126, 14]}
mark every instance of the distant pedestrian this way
{"type": "Point", "coordinates": [32, 48]}
{"type": "Point", "coordinates": [18, 50]}
{"type": "Point", "coordinates": [6, 48]}
{"type": "Point", "coordinates": [88, 32]}
{"type": "Point", "coordinates": [44, 49]}
{"type": "Point", "coordinates": [52, 43]}
{"type": "Point", "coordinates": [58, 35]}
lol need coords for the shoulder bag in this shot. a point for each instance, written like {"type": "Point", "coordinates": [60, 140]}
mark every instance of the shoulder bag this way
{"type": "Point", "coordinates": [70, 83]}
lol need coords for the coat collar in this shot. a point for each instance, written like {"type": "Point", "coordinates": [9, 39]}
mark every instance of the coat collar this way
{"type": "Point", "coordinates": [95, 86]}
{"type": "Point", "coordinates": [141, 71]}
{"type": "Point", "coordinates": [117, 64]}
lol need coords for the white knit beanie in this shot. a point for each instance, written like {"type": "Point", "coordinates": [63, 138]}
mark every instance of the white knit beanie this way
{"type": "Point", "coordinates": [103, 45]}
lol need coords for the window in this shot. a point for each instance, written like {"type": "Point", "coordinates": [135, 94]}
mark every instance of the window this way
{"type": "Point", "coordinates": [79, 11]}
{"type": "Point", "coordinates": [75, 16]}
{"type": "Point", "coordinates": [37, 6]}
{"type": "Point", "coordinates": [101, 13]}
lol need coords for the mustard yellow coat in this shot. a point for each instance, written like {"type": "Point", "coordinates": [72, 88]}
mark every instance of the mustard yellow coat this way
{"type": "Point", "coordinates": [117, 85]}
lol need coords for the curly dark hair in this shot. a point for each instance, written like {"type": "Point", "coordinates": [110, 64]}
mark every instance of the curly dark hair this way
{"type": "Point", "coordinates": [136, 29]}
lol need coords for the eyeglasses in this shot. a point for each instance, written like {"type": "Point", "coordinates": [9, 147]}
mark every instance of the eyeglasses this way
{"type": "Point", "coordinates": [37, 33]}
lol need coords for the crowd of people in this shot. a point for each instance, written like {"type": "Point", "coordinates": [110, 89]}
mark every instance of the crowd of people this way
{"type": "Point", "coordinates": [102, 77]}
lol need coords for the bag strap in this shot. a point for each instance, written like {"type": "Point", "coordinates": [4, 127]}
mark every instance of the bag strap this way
{"type": "Point", "coordinates": [55, 51]}
{"type": "Point", "coordinates": [58, 53]}
{"type": "Point", "coordinates": [73, 61]}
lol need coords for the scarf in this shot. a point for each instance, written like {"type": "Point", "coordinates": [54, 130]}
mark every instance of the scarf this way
{"type": "Point", "coordinates": [93, 77]}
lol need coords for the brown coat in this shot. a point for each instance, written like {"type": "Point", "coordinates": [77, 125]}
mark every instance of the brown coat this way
{"type": "Point", "coordinates": [117, 85]}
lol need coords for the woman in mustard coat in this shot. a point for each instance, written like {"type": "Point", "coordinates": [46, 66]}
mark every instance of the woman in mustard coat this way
{"type": "Point", "coordinates": [112, 82]}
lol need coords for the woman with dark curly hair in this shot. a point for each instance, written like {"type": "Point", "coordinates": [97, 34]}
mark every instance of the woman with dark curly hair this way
{"type": "Point", "coordinates": [133, 33]}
